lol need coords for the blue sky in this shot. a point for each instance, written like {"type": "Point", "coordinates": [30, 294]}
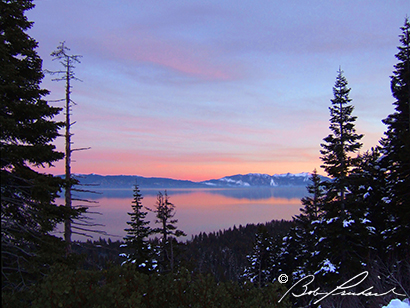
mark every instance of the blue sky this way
{"type": "Point", "coordinates": [203, 89]}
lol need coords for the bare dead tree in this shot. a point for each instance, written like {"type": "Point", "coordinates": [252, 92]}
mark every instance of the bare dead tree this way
{"type": "Point", "coordinates": [82, 226]}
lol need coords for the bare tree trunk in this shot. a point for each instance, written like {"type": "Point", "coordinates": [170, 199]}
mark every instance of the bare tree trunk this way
{"type": "Point", "coordinates": [67, 75]}
{"type": "Point", "coordinates": [342, 160]}
{"type": "Point", "coordinates": [172, 256]}
{"type": "Point", "coordinates": [68, 201]}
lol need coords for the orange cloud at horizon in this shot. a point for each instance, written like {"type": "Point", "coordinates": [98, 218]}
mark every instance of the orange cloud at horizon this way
{"type": "Point", "coordinates": [183, 167]}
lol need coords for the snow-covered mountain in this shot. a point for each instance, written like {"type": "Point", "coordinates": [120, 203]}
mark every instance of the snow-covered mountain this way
{"type": "Point", "coordinates": [261, 180]}
{"type": "Point", "coordinates": [239, 180]}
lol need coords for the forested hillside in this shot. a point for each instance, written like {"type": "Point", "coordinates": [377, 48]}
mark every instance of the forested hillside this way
{"type": "Point", "coordinates": [224, 253]}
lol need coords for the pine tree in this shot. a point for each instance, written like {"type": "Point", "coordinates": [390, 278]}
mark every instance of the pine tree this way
{"type": "Point", "coordinates": [137, 235]}
{"type": "Point", "coordinates": [297, 254]}
{"type": "Point", "coordinates": [342, 142]}
{"type": "Point", "coordinates": [367, 187]}
{"type": "Point", "coordinates": [260, 261]}
{"type": "Point", "coordinates": [306, 223]}
{"type": "Point", "coordinates": [165, 211]}
{"type": "Point", "coordinates": [337, 232]}
{"type": "Point", "coordinates": [394, 250]}
{"type": "Point", "coordinates": [313, 204]}
{"type": "Point", "coordinates": [396, 154]}
{"type": "Point", "coordinates": [28, 211]}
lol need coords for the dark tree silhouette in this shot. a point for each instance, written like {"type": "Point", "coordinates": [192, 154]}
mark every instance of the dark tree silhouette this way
{"type": "Point", "coordinates": [396, 150]}
{"type": "Point", "coordinates": [165, 212]}
{"type": "Point", "coordinates": [336, 250]}
{"type": "Point", "coordinates": [68, 75]}
{"type": "Point", "coordinates": [342, 142]}
{"type": "Point", "coordinates": [395, 161]}
{"type": "Point", "coordinates": [136, 240]}
{"type": "Point", "coordinates": [28, 211]}
{"type": "Point", "coordinates": [82, 226]}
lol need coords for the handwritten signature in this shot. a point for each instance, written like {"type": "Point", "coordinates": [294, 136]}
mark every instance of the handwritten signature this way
{"type": "Point", "coordinates": [339, 290]}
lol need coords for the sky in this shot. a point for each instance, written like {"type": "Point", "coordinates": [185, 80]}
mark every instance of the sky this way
{"type": "Point", "coordinates": [197, 90]}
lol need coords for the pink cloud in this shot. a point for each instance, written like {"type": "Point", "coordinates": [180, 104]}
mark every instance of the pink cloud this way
{"type": "Point", "coordinates": [187, 58]}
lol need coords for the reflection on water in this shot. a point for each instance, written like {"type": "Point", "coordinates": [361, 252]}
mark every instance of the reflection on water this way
{"type": "Point", "coordinates": [200, 210]}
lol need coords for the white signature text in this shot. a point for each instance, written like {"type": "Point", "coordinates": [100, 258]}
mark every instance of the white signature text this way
{"type": "Point", "coordinates": [342, 289]}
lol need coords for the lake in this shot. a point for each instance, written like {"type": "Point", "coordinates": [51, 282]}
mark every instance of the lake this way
{"type": "Point", "coordinates": [197, 210]}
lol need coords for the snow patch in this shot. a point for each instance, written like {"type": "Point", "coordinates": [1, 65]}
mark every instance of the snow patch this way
{"type": "Point", "coordinates": [396, 303]}
{"type": "Point", "coordinates": [386, 200]}
{"type": "Point", "coordinates": [371, 229]}
{"type": "Point", "coordinates": [329, 221]}
{"type": "Point", "coordinates": [227, 180]}
{"type": "Point", "coordinates": [327, 267]}
{"type": "Point", "coordinates": [240, 182]}
{"type": "Point", "coordinates": [365, 220]}
{"type": "Point", "coordinates": [302, 174]}
{"type": "Point", "coordinates": [264, 175]}
{"type": "Point", "coordinates": [347, 223]}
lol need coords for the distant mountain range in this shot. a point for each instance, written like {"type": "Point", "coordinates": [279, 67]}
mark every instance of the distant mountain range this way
{"type": "Point", "coordinates": [239, 180]}
{"type": "Point", "coordinates": [262, 180]}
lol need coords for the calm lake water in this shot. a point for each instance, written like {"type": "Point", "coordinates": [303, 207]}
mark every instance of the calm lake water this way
{"type": "Point", "coordinates": [198, 210]}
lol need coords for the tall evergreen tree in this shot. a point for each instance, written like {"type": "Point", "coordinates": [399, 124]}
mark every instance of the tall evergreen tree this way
{"type": "Point", "coordinates": [337, 231]}
{"type": "Point", "coordinates": [342, 142]}
{"type": "Point", "coordinates": [165, 211]}
{"type": "Point", "coordinates": [137, 235]}
{"type": "Point", "coordinates": [396, 151]}
{"type": "Point", "coordinates": [28, 211]}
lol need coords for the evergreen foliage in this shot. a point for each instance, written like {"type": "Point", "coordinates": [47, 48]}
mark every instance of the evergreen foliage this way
{"type": "Point", "coordinates": [313, 204]}
{"type": "Point", "coordinates": [28, 211]}
{"type": "Point", "coordinates": [359, 220]}
{"type": "Point", "coordinates": [296, 253]}
{"type": "Point", "coordinates": [339, 228]}
{"type": "Point", "coordinates": [225, 254]}
{"type": "Point", "coordinates": [394, 248]}
{"type": "Point", "coordinates": [342, 142]}
{"type": "Point", "coordinates": [124, 286]}
{"type": "Point", "coordinates": [137, 235]}
{"type": "Point", "coordinates": [307, 224]}
{"type": "Point", "coordinates": [367, 187]}
{"type": "Point", "coordinates": [260, 261]}
{"type": "Point", "coordinates": [396, 154]}
{"type": "Point", "coordinates": [165, 211]}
